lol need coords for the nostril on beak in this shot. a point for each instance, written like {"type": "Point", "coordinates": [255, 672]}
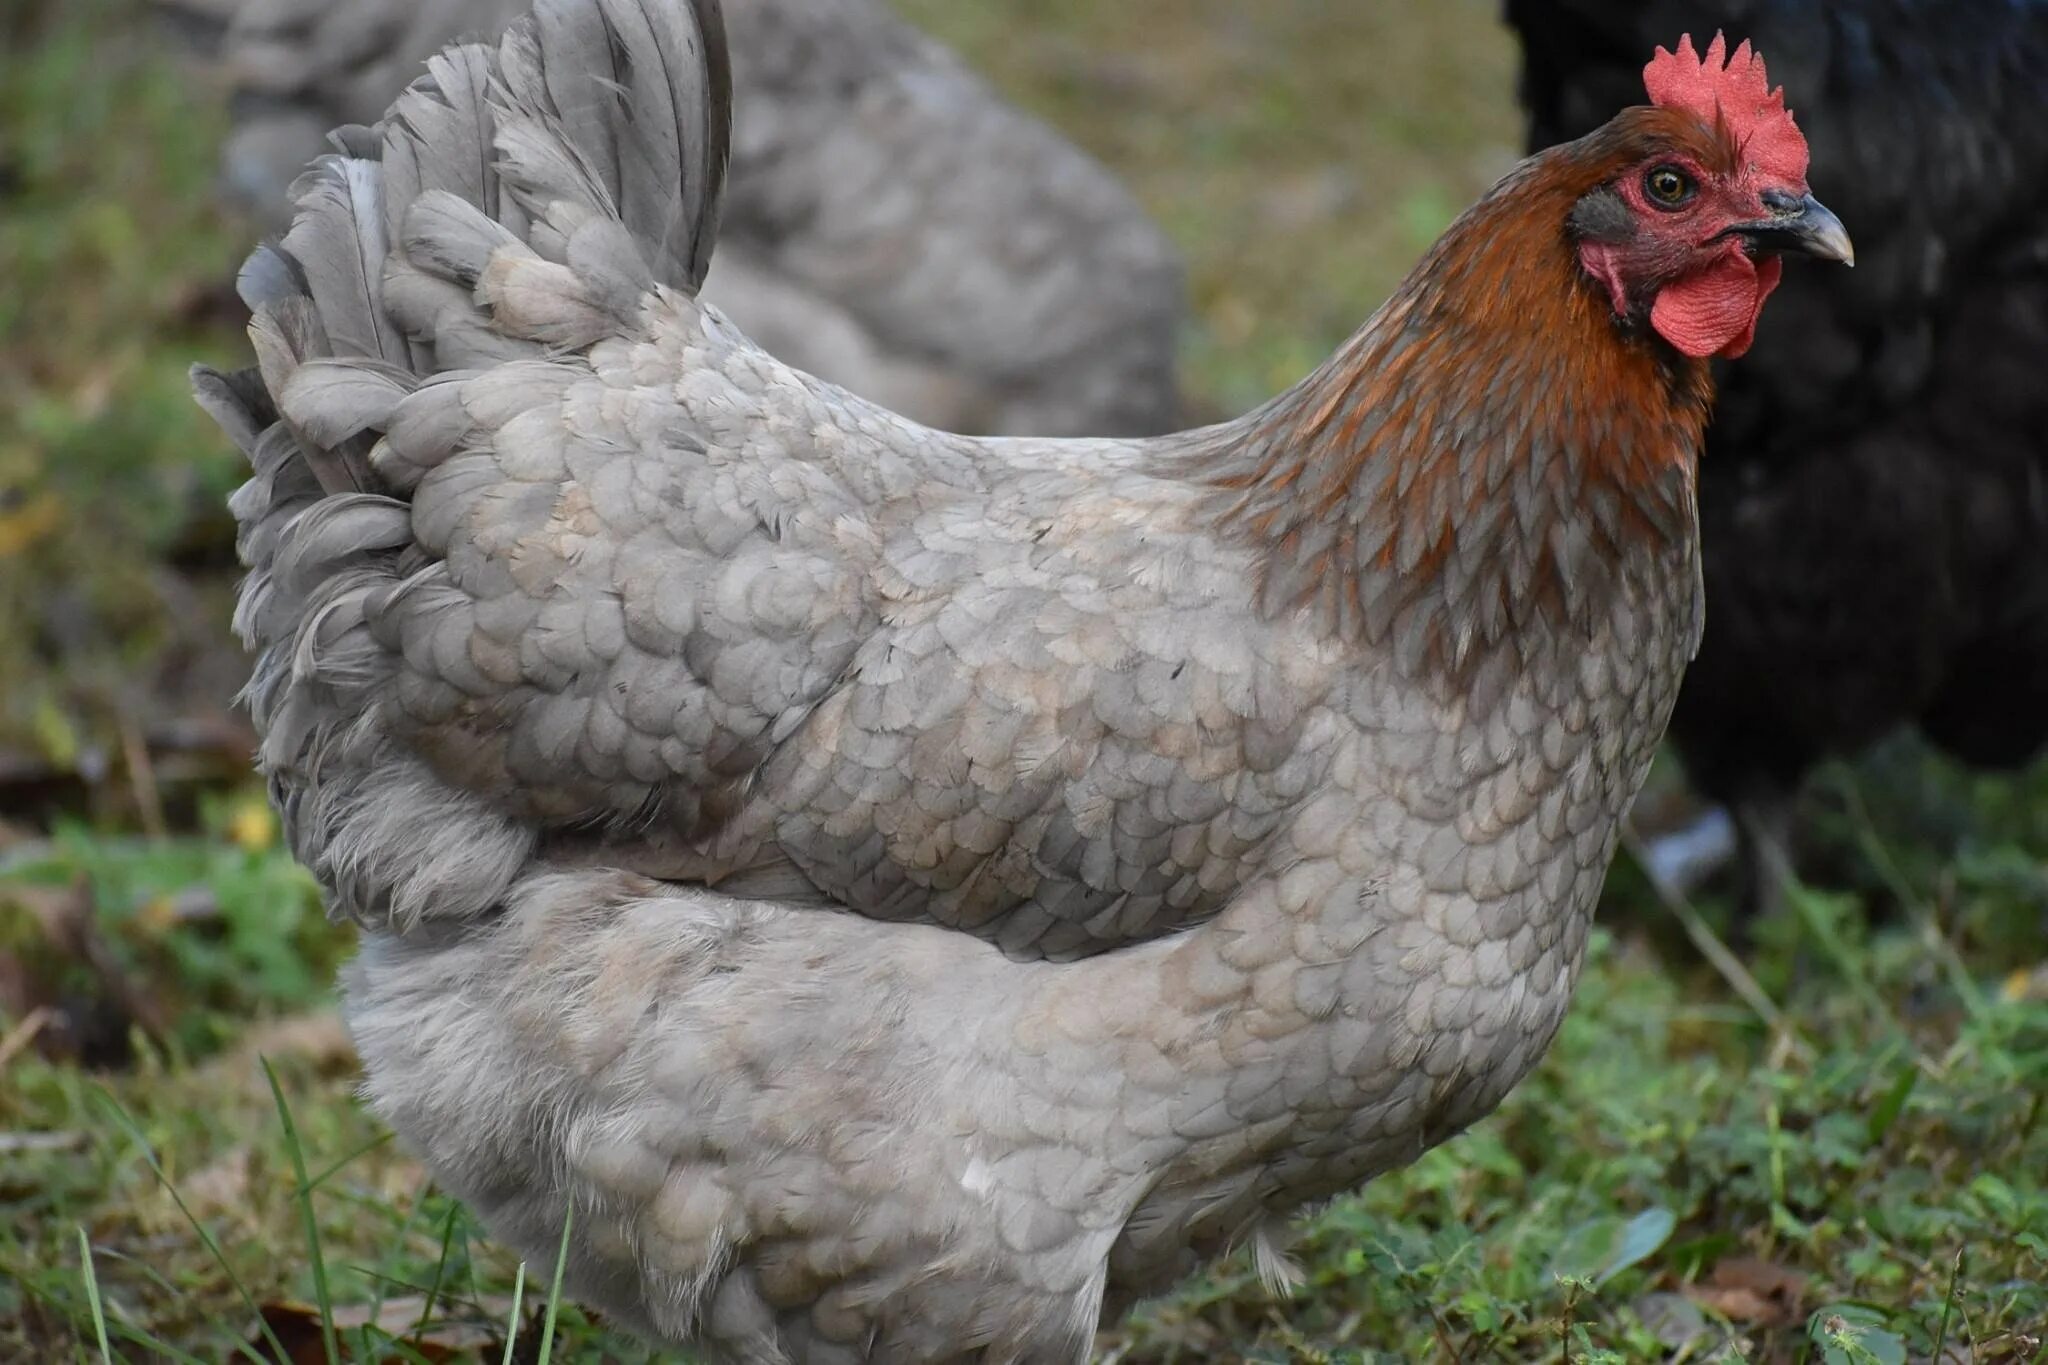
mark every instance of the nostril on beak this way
{"type": "Point", "coordinates": [1783, 201]}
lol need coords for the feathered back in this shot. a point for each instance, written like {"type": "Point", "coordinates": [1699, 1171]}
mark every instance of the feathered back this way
{"type": "Point", "coordinates": [519, 201]}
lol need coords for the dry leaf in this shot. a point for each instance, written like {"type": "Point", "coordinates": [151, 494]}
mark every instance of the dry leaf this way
{"type": "Point", "coordinates": [319, 1040]}
{"type": "Point", "coordinates": [1749, 1289]}
{"type": "Point", "coordinates": [296, 1328]}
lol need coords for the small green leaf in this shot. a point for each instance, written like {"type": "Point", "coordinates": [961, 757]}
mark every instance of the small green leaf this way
{"type": "Point", "coordinates": [1894, 1103]}
{"type": "Point", "coordinates": [1640, 1239]}
{"type": "Point", "coordinates": [55, 733]}
{"type": "Point", "coordinates": [1585, 1249]}
{"type": "Point", "coordinates": [1601, 1248]}
{"type": "Point", "coordinates": [1855, 1334]}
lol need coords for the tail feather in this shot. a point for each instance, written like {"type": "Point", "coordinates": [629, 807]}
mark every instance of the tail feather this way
{"type": "Point", "coordinates": [267, 278]}
{"type": "Point", "coordinates": [632, 126]}
{"type": "Point", "coordinates": [515, 203]}
{"type": "Point", "coordinates": [339, 243]}
{"type": "Point", "coordinates": [334, 400]}
{"type": "Point", "coordinates": [450, 237]}
{"type": "Point", "coordinates": [444, 134]}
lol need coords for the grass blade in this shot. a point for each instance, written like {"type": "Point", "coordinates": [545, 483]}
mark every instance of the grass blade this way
{"type": "Point", "coordinates": [512, 1326]}
{"type": "Point", "coordinates": [304, 1197]}
{"type": "Point", "coordinates": [141, 1338]}
{"type": "Point", "coordinates": [1716, 952]}
{"type": "Point", "coordinates": [361, 1149]}
{"type": "Point", "coordinates": [126, 1122]}
{"type": "Point", "coordinates": [440, 1268]}
{"type": "Point", "coordinates": [379, 1285]}
{"type": "Point", "coordinates": [92, 1296]}
{"type": "Point", "coordinates": [547, 1331]}
{"type": "Point", "coordinates": [1948, 1308]}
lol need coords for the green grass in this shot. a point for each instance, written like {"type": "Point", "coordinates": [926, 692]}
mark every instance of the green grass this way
{"type": "Point", "coordinates": [1890, 1152]}
{"type": "Point", "coordinates": [1867, 1182]}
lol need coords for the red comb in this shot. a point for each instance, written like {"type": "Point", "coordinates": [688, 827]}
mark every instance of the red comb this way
{"type": "Point", "coordinates": [1735, 90]}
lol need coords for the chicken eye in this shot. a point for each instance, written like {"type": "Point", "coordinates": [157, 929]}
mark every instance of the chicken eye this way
{"type": "Point", "coordinates": [1667, 186]}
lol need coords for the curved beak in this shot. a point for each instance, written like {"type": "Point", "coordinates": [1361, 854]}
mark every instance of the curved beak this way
{"type": "Point", "coordinates": [1799, 223]}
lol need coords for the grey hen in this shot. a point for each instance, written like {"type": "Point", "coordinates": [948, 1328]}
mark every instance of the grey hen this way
{"type": "Point", "coordinates": [910, 894]}
{"type": "Point", "coordinates": [891, 224]}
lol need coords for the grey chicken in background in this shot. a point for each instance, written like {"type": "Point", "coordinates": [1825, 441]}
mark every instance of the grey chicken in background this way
{"type": "Point", "coordinates": [892, 225]}
{"type": "Point", "coordinates": [905, 895]}
{"type": "Point", "coordinates": [1874, 508]}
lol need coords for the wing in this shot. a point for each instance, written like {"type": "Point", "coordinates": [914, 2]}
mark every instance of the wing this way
{"type": "Point", "coordinates": [1066, 731]}
{"type": "Point", "coordinates": [1038, 708]}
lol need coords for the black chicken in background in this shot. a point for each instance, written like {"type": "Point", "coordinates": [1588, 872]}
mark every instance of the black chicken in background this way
{"type": "Point", "coordinates": [1875, 503]}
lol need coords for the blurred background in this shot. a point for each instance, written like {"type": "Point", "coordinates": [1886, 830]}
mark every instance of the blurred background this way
{"type": "Point", "coordinates": [1810, 1133]}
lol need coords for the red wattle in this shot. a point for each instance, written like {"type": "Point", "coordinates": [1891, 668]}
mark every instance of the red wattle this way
{"type": "Point", "coordinates": [1714, 311]}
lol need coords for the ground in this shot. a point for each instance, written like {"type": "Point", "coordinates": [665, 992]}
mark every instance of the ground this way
{"type": "Point", "coordinates": [1832, 1149]}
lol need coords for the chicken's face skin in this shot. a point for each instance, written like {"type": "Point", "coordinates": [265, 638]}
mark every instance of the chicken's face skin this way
{"type": "Point", "coordinates": [1689, 246]}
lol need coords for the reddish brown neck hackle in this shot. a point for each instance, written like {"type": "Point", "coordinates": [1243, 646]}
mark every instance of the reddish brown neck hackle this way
{"type": "Point", "coordinates": [1490, 449]}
